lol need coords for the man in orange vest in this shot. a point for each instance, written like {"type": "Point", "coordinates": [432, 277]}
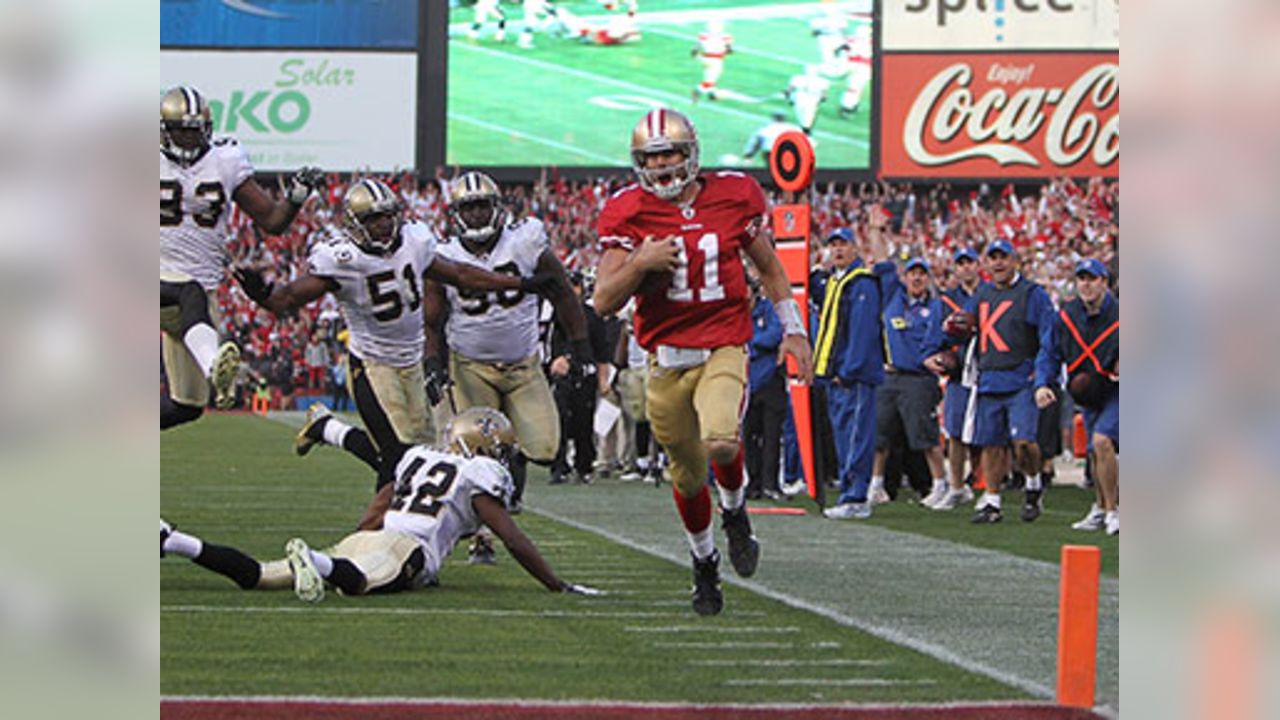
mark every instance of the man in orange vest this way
{"type": "Point", "coordinates": [1089, 340]}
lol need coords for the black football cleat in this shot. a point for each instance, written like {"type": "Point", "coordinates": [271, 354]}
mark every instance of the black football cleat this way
{"type": "Point", "coordinates": [707, 598]}
{"type": "Point", "coordinates": [987, 515]}
{"type": "Point", "coordinates": [744, 549]}
{"type": "Point", "coordinates": [1032, 505]}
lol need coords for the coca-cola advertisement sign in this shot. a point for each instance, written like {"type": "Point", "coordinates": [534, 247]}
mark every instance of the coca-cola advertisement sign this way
{"type": "Point", "coordinates": [1001, 115]}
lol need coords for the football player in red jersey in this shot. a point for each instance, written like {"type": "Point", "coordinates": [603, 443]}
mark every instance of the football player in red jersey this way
{"type": "Point", "coordinates": [675, 242]}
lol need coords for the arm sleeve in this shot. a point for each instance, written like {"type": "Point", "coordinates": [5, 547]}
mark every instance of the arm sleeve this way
{"type": "Point", "coordinates": [235, 164]}
{"type": "Point", "coordinates": [613, 228]}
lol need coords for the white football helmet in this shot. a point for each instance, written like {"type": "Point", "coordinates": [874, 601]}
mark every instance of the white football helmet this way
{"type": "Point", "coordinates": [361, 206]}
{"type": "Point", "coordinates": [183, 109]}
{"type": "Point", "coordinates": [663, 130]}
{"type": "Point", "coordinates": [476, 215]}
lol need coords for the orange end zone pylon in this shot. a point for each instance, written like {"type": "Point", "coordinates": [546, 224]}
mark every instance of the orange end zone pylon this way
{"type": "Point", "coordinates": [1078, 625]}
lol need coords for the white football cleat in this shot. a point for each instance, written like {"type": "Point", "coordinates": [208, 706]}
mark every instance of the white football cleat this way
{"type": "Point", "coordinates": [307, 583]}
{"type": "Point", "coordinates": [226, 365]}
{"type": "Point", "coordinates": [1092, 522]}
{"type": "Point", "coordinates": [879, 496]}
{"type": "Point", "coordinates": [1113, 522]}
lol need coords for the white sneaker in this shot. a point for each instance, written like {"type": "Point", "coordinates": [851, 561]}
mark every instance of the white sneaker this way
{"type": "Point", "coordinates": [879, 496]}
{"type": "Point", "coordinates": [307, 583]}
{"type": "Point", "coordinates": [226, 365]}
{"type": "Point", "coordinates": [1113, 522]}
{"type": "Point", "coordinates": [303, 442]}
{"type": "Point", "coordinates": [1092, 522]}
{"type": "Point", "coordinates": [937, 495]}
{"type": "Point", "coordinates": [794, 488]}
{"type": "Point", "coordinates": [849, 511]}
{"type": "Point", "coordinates": [954, 499]}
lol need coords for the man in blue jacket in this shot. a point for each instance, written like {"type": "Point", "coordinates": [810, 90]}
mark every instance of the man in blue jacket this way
{"type": "Point", "coordinates": [767, 407]}
{"type": "Point", "coordinates": [849, 358]}
{"type": "Point", "coordinates": [910, 394]}
{"type": "Point", "coordinates": [1016, 357]}
{"type": "Point", "coordinates": [1090, 347]}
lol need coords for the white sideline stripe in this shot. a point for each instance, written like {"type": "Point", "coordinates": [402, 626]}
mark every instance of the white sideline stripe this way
{"type": "Point", "coordinates": [593, 702]}
{"type": "Point", "coordinates": [288, 610]}
{"type": "Point", "coordinates": [683, 100]}
{"type": "Point", "coordinates": [896, 637]}
{"type": "Point", "coordinates": [494, 127]}
{"type": "Point", "coordinates": [728, 630]}
{"type": "Point", "coordinates": [824, 682]}
{"type": "Point", "coordinates": [728, 644]}
{"type": "Point", "coordinates": [777, 662]}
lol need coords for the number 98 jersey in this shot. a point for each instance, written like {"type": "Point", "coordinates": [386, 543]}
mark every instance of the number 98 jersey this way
{"type": "Point", "coordinates": [195, 203]}
{"type": "Point", "coordinates": [380, 296]}
{"type": "Point", "coordinates": [432, 500]}
{"type": "Point", "coordinates": [704, 303]}
{"type": "Point", "coordinates": [497, 325]}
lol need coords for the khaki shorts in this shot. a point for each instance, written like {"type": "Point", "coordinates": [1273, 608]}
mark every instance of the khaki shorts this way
{"type": "Point", "coordinates": [187, 383]}
{"type": "Point", "coordinates": [520, 391]}
{"type": "Point", "coordinates": [691, 406]}
{"type": "Point", "coordinates": [384, 558]}
{"type": "Point", "coordinates": [401, 393]}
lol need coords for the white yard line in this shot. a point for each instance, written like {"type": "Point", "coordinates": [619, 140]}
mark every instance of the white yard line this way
{"type": "Point", "coordinates": [786, 662]}
{"type": "Point", "coordinates": [728, 630]}
{"type": "Point", "coordinates": [824, 682]}
{"type": "Point", "coordinates": [474, 612]}
{"type": "Point", "coordinates": [725, 645]}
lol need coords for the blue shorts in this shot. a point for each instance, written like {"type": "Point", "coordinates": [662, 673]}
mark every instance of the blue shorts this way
{"type": "Point", "coordinates": [1002, 417]}
{"type": "Point", "coordinates": [1106, 421]}
{"type": "Point", "coordinates": [953, 407]}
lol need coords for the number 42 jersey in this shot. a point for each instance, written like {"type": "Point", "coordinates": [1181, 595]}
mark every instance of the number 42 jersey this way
{"type": "Point", "coordinates": [380, 296]}
{"type": "Point", "coordinates": [704, 303]}
{"type": "Point", "coordinates": [432, 501]}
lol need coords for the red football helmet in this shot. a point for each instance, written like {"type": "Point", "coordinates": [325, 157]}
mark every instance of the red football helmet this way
{"type": "Point", "coordinates": [664, 130]}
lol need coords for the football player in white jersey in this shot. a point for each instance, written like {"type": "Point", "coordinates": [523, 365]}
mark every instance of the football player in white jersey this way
{"type": "Point", "coordinates": [494, 358]}
{"type": "Point", "coordinates": [199, 179]}
{"type": "Point", "coordinates": [438, 498]}
{"type": "Point", "coordinates": [376, 269]}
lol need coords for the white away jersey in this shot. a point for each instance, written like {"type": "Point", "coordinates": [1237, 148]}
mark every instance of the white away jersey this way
{"type": "Point", "coordinates": [195, 203]}
{"type": "Point", "coordinates": [497, 325]}
{"type": "Point", "coordinates": [380, 296]}
{"type": "Point", "coordinates": [432, 501]}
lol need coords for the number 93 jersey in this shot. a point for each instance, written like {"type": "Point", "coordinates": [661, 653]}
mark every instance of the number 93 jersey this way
{"type": "Point", "coordinates": [380, 296]}
{"type": "Point", "coordinates": [704, 303]}
{"type": "Point", "coordinates": [195, 203]}
{"type": "Point", "coordinates": [497, 325]}
{"type": "Point", "coordinates": [432, 500]}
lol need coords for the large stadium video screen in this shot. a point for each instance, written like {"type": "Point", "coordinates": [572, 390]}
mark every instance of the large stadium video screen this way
{"type": "Point", "coordinates": [562, 84]}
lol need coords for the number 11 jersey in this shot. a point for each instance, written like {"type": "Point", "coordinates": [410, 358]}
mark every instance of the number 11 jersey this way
{"type": "Point", "coordinates": [705, 302]}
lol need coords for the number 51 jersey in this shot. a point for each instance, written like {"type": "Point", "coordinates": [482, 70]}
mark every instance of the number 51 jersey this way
{"type": "Point", "coordinates": [432, 501]}
{"type": "Point", "coordinates": [380, 296]}
{"type": "Point", "coordinates": [704, 303]}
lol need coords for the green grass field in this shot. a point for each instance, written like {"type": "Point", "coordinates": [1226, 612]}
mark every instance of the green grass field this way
{"type": "Point", "coordinates": [839, 612]}
{"type": "Point", "coordinates": [567, 103]}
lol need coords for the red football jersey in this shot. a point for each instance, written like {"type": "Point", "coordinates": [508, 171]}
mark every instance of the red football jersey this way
{"type": "Point", "coordinates": [705, 302]}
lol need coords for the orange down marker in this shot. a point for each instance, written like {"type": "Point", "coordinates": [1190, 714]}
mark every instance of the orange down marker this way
{"type": "Point", "coordinates": [1078, 625]}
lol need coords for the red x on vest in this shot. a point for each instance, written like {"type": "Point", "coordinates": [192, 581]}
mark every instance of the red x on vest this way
{"type": "Point", "coordinates": [955, 307]}
{"type": "Point", "coordinates": [987, 325]}
{"type": "Point", "coordinates": [1087, 348]}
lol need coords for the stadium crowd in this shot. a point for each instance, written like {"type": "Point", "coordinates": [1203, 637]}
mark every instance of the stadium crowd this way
{"type": "Point", "coordinates": [1051, 226]}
